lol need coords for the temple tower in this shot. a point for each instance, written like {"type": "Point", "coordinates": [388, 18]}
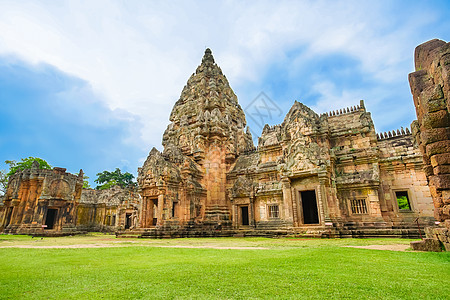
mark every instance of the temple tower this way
{"type": "Point", "coordinates": [206, 134]}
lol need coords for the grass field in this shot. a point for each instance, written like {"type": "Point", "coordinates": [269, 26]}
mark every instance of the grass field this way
{"type": "Point", "coordinates": [209, 269]}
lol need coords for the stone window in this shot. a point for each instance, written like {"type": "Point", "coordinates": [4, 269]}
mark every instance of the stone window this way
{"type": "Point", "coordinates": [174, 209]}
{"type": "Point", "coordinates": [274, 211]}
{"type": "Point", "coordinates": [403, 200]}
{"type": "Point", "coordinates": [358, 206]}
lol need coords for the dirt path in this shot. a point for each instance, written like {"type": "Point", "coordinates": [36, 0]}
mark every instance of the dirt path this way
{"type": "Point", "coordinates": [124, 245]}
{"type": "Point", "coordinates": [62, 246]}
{"type": "Point", "coordinates": [395, 247]}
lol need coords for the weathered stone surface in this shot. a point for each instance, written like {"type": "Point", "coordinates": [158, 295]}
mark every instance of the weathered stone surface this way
{"type": "Point", "coordinates": [441, 182]}
{"type": "Point", "coordinates": [441, 169]}
{"type": "Point", "coordinates": [52, 202]}
{"type": "Point", "coordinates": [425, 53]}
{"type": "Point", "coordinates": [440, 147]}
{"type": "Point", "coordinates": [40, 201]}
{"type": "Point", "coordinates": [108, 210]}
{"type": "Point", "coordinates": [426, 245]}
{"type": "Point", "coordinates": [430, 86]}
{"type": "Point", "coordinates": [435, 120]}
{"type": "Point", "coordinates": [440, 159]}
{"type": "Point", "coordinates": [435, 135]}
{"type": "Point", "coordinates": [210, 178]}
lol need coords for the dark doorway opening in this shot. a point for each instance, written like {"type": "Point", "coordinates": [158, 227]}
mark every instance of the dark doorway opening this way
{"type": "Point", "coordinates": [8, 216]}
{"type": "Point", "coordinates": [174, 209]}
{"type": "Point", "coordinates": [127, 221]}
{"type": "Point", "coordinates": [50, 218]}
{"type": "Point", "coordinates": [155, 212]}
{"type": "Point", "coordinates": [309, 204]}
{"type": "Point", "coordinates": [244, 215]}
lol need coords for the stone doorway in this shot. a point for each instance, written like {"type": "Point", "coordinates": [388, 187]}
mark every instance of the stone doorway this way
{"type": "Point", "coordinates": [155, 212]}
{"type": "Point", "coordinates": [127, 221]}
{"type": "Point", "coordinates": [50, 218]}
{"type": "Point", "coordinates": [8, 216]}
{"type": "Point", "coordinates": [309, 205]}
{"type": "Point", "coordinates": [244, 215]}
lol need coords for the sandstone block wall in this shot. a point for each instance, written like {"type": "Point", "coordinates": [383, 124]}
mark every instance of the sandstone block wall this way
{"type": "Point", "coordinates": [430, 87]}
{"type": "Point", "coordinates": [107, 210]}
{"type": "Point", "coordinates": [401, 169]}
{"type": "Point", "coordinates": [40, 201]}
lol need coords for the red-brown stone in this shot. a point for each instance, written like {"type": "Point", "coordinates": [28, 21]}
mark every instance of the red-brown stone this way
{"type": "Point", "coordinates": [435, 135]}
{"type": "Point", "coordinates": [440, 147]}
{"type": "Point", "coordinates": [440, 159]}
{"type": "Point", "coordinates": [435, 120]}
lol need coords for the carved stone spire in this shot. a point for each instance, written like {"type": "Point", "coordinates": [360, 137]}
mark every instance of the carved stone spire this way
{"type": "Point", "coordinates": [207, 111]}
{"type": "Point", "coordinates": [208, 58]}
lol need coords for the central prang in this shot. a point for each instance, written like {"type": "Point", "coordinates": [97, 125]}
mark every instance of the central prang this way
{"type": "Point", "coordinates": [206, 134]}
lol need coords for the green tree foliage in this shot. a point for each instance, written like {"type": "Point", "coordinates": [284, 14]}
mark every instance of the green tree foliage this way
{"type": "Point", "coordinates": [3, 182]}
{"type": "Point", "coordinates": [86, 184]}
{"type": "Point", "coordinates": [403, 203]}
{"type": "Point", "coordinates": [108, 179]}
{"type": "Point", "coordinates": [25, 163]}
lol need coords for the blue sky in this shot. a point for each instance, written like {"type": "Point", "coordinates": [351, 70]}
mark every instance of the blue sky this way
{"type": "Point", "coordinates": [90, 84]}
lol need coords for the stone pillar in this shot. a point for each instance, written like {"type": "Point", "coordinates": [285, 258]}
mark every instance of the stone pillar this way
{"type": "Point", "coordinates": [144, 213]}
{"type": "Point", "coordinates": [287, 201]}
{"type": "Point", "coordinates": [295, 208]}
{"type": "Point", "coordinates": [374, 202]}
{"type": "Point", "coordinates": [251, 210]}
{"type": "Point", "coordinates": [430, 87]}
{"type": "Point", "coordinates": [160, 211]}
{"type": "Point", "coordinates": [323, 199]}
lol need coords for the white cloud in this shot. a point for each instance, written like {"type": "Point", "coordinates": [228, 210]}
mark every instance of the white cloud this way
{"type": "Point", "coordinates": [140, 54]}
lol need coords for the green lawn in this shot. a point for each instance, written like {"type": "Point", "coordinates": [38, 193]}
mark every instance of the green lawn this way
{"type": "Point", "coordinates": [288, 268]}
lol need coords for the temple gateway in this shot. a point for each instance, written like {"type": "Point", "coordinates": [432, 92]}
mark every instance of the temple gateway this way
{"type": "Point", "coordinates": [314, 174]}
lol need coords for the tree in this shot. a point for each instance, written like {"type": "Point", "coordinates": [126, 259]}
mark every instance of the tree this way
{"type": "Point", "coordinates": [3, 182]}
{"type": "Point", "coordinates": [108, 179]}
{"type": "Point", "coordinates": [86, 184]}
{"type": "Point", "coordinates": [25, 163]}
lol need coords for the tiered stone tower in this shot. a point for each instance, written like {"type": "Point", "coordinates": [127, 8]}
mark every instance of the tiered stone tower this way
{"type": "Point", "coordinates": [206, 134]}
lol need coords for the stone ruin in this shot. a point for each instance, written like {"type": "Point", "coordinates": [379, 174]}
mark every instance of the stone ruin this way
{"type": "Point", "coordinates": [430, 87]}
{"type": "Point", "coordinates": [323, 175]}
{"type": "Point", "coordinates": [40, 200]}
{"type": "Point", "coordinates": [328, 175]}
{"type": "Point", "coordinates": [52, 203]}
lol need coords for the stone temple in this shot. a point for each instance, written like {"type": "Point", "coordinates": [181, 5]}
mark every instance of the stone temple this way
{"type": "Point", "coordinates": [314, 174]}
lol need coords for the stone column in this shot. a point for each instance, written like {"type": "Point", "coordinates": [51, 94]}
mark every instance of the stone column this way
{"type": "Point", "coordinates": [323, 199]}
{"type": "Point", "coordinates": [251, 210]}
{"type": "Point", "coordinates": [295, 207]}
{"type": "Point", "coordinates": [160, 210]}
{"type": "Point", "coordinates": [287, 200]}
{"type": "Point", "coordinates": [374, 202]}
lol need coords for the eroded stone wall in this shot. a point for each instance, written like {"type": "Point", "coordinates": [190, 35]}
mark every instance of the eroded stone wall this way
{"type": "Point", "coordinates": [40, 201]}
{"type": "Point", "coordinates": [108, 210]}
{"type": "Point", "coordinates": [430, 87]}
